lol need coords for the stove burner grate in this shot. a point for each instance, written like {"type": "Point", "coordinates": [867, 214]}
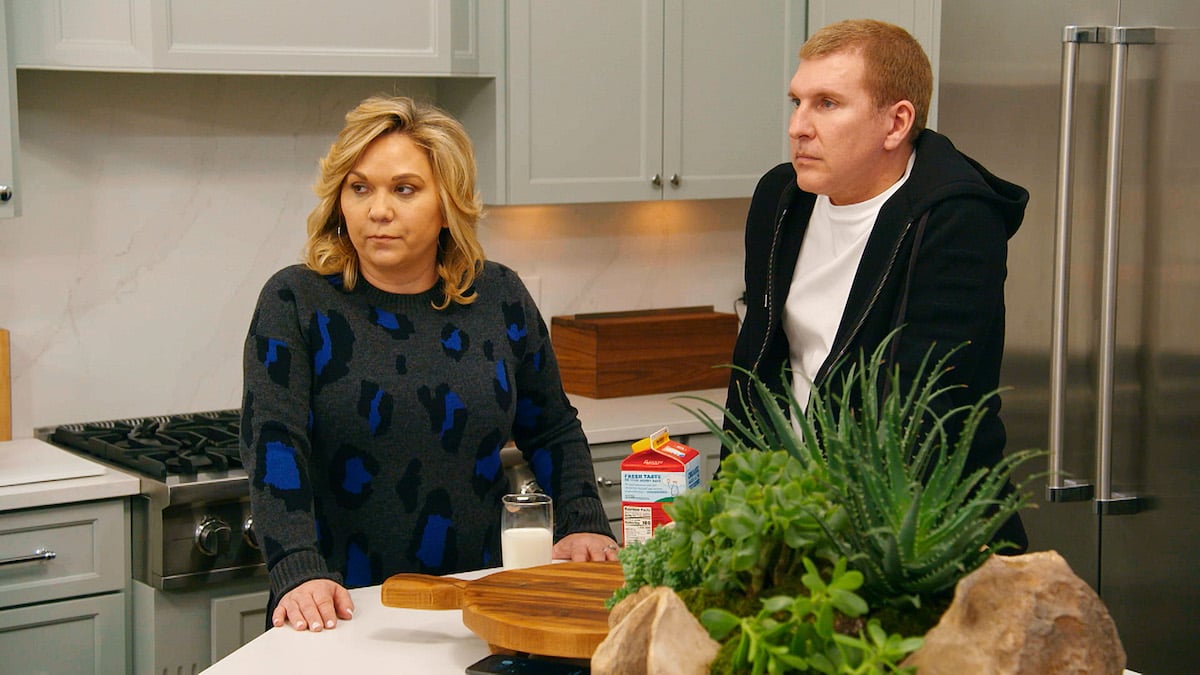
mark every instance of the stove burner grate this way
{"type": "Point", "coordinates": [158, 446]}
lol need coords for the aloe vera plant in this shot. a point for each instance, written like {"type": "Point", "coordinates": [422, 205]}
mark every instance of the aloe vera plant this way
{"type": "Point", "coordinates": [917, 522]}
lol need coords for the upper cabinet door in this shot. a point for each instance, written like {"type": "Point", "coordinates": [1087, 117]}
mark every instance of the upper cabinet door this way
{"type": "Point", "coordinates": [398, 37]}
{"type": "Point", "coordinates": [585, 98]}
{"type": "Point", "coordinates": [9, 194]}
{"type": "Point", "coordinates": [412, 37]}
{"type": "Point", "coordinates": [647, 99]}
{"type": "Point", "coordinates": [84, 34]}
{"type": "Point", "coordinates": [728, 66]}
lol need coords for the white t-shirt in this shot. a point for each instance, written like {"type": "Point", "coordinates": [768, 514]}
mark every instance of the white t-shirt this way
{"type": "Point", "coordinates": [829, 257]}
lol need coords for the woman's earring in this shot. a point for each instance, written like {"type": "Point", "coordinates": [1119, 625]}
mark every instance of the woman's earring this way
{"type": "Point", "coordinates": [339, 231]}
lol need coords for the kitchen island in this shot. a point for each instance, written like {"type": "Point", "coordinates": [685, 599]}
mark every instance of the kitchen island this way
{"type": "Point", "coordinates": [378, 639]}
{"type": "Point", "coordinates": [390, 639]}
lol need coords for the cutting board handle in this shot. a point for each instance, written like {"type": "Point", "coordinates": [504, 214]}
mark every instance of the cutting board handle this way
{"type": "Point", "coordinates": [423, 591]}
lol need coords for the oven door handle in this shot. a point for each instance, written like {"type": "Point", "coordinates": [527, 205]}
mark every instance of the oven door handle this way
{"type": "Point", "coordinates": [37, 556]}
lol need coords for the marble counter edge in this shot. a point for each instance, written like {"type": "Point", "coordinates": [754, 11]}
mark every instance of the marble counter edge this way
{"type": "Point", "coordinates": [111, 484]}
{"type": "Point", "coordinates": [629, 418]}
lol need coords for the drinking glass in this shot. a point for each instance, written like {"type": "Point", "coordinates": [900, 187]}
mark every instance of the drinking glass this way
{"type": "Point", "coordinates": [526, 530]}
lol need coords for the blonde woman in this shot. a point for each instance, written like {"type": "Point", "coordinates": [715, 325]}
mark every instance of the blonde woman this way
{"type": "Point", "coordinates": [384, 374]}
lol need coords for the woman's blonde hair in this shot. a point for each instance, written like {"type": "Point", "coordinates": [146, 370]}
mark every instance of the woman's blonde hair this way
{"type": "Point", "coordinates": [460, 256]}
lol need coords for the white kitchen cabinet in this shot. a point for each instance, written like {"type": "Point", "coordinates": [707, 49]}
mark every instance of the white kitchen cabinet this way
{"type": "Point", "coordinates": [83, 635]}
{"type": "Point", "coordinates": [646, 99]}
{"type": "Point", "coordinates": [63, 576]}
{"type": "Point", "coordinates": [709, 448]}
{"type": "Point", "coordinates": [606, 462]}
{"type": "Point", "coordinates": [401, 37]}
{"type": "Point", "coordinates": [236, 620]}
{"type": "Point", "coordinates": [9, 195]}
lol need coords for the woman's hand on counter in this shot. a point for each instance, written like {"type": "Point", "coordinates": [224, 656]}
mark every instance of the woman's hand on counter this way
{"type": "Point", "coordinates": [314, 605]}
{"type": "Point", "coordinates": [583, 546]}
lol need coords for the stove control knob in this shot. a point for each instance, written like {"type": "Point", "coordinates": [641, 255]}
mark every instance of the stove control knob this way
{"type": "Point", "coordinates": [212, 536]}
{"type": "Point", "coordinates": [248, 533]}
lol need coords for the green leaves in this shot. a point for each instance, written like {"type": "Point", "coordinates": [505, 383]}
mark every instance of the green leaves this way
{"type": "Point", "coordinates": [797, 633]}
{"type": "Point", "coordinates": [651, 564]}
{"type": "Point", "coordinates": [743, 535]}
{"type": "Point", "coordinates": [869, 488]}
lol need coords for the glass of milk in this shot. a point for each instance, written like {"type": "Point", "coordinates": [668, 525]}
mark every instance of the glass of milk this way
{"type": "Point", "coordinates": [526, 530]}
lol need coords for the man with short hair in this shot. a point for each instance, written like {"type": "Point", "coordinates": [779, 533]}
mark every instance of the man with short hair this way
{"type": "Point", "coordinates": [876, 224]}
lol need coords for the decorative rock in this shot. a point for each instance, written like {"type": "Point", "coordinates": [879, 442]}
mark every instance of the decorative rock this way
{"type": "Point", "coordinates": [1022, 615]}
{"type": "Point", "coordinates": [618, 613]}
{"type": "Point", "coordinates": [654, 634]}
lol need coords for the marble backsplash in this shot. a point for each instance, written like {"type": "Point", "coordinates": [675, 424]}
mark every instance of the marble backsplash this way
{"type": "Point", "coordinates": [154, 207]}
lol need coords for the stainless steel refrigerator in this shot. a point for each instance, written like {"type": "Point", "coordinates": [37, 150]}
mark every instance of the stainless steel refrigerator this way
{"type": "Point", "coordinates": [1094, 107]}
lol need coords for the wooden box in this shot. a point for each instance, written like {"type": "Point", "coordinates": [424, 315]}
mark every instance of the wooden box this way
{"type": "Point", "coordinates": [644, 352]}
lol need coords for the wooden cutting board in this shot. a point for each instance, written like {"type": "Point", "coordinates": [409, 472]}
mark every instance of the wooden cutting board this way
{"type": "Point", "coordinates": [551, 610]}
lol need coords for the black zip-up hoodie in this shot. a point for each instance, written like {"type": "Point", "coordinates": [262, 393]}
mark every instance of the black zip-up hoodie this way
{"type": "Point", "coordinates": [960, 217]}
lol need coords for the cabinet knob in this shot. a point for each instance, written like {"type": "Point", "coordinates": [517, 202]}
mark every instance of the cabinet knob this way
{"type": "Point", "coordinates": [656, 181]}
{"type": "Point", "coordinates": [5, 193]}
{"type": "Point", "coordinates": [606, 482]}
{"type": "Point", "coordinates": [212, 535]}
{"type": "Point", "coordinates": [248, 535]}
{"type": "Point", "coordinates": [675, 180]}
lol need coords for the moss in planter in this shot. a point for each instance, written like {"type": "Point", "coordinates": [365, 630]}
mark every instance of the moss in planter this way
{"type": "Point", "coordinates": [914, 620]}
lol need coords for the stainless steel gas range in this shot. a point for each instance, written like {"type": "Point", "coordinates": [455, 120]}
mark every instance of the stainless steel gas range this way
{"type": "Point", "coordinates": [199, 582]}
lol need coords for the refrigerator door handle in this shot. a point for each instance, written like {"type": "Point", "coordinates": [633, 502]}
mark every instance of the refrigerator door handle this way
{"type": "Point", "coordinates": [1107, 501]}
{"type": "Point", "coordinates": [1060, 488]}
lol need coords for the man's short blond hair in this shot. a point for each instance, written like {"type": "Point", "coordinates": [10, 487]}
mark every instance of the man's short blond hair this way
{"type": "Point", "coordinates": [897, 68]}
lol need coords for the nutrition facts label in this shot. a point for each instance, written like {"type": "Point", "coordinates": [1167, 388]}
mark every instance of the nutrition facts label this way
{"type": "Point", "coordinates": [637, 523]}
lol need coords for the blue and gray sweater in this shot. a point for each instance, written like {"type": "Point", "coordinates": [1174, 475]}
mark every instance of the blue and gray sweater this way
{"type": "Point", "coordinates": [372, 425]}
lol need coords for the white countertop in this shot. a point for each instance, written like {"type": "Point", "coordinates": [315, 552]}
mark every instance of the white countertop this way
{"type": "Point", "coordinates": [377, 640]}
{"type": "Point", "coordinates": [629, 418]}
{"type": "Point", "coordinates": [107, 483]}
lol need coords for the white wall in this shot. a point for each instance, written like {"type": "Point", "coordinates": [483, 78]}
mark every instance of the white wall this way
{"type": "Point", "coordinates": [155, 206]}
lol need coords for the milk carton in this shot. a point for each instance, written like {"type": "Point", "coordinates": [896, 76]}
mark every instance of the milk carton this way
{"type": "Point", "coordinates": [658, 471]}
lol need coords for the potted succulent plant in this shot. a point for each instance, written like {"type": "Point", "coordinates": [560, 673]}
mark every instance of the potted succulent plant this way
{"type": "Point", "coordinates": [833, 544]}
